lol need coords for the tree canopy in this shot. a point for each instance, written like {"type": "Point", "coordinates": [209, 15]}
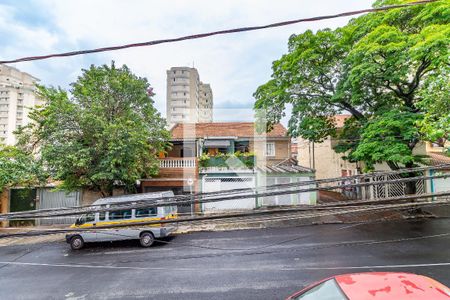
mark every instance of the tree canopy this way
{"type": "Point", "coordinates": [105, 132]}
{"type": "Point", "coordinates": [19, 168]}
{"type": "Point", "coordinates": [389, 70]}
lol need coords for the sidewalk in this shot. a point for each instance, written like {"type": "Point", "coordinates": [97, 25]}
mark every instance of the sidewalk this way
{"type": "Point", "coordinates": [26, 240]}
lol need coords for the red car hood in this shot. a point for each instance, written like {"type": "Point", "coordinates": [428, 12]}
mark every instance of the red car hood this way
{"type": "Point", "coordinates": [388, 286]}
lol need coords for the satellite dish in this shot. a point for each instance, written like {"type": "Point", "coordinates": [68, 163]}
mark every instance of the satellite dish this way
{"type": "Point", "coordinates": [190, 181]}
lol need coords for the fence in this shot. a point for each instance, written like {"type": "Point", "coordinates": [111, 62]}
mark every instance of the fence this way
{"type": "Point", "coordinates": [381, 190]}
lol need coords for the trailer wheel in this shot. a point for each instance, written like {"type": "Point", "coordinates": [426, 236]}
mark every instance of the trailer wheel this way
{"type": "Point", "coordinates": [76, 242]}
{"type": "Point", "coordinates": [146, 239]}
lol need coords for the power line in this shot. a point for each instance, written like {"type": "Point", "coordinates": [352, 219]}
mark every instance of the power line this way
{"type": "Point", "coordinates": [255, 192]}
{"type": "Point", "coordinates": [220, 32]}
{"type": "Point", "coordinates": [147, 204]}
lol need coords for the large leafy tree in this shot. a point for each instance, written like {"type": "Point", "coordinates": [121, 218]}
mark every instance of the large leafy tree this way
{"type": "Point", "coordinates": [19, 168]}
{"type": "Point", "coordinates": [105, 132]}
{"type": "Point", "coordinates": [389, 70]}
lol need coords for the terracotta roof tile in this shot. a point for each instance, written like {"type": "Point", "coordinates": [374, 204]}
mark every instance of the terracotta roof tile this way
{"type": "Point", "coordinates": [225, 129]}
{"type": "Point", "coordinates": [436, 159]}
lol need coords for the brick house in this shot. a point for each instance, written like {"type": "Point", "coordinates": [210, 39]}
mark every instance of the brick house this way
{"type": "Point", "coordinates": [207, 157]}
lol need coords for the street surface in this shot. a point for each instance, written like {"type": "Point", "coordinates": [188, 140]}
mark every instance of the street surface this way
{"type": "Point", "coordinates": [247, 264]}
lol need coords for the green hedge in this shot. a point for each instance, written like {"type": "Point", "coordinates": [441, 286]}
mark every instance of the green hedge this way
{"type": "Point", "coordinates": [220, 160]}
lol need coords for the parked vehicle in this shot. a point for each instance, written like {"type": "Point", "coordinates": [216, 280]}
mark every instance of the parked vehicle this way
{"type": "Point", "coordinates": [374, 286]}
{"type": "Point", "coordinates": [146, 234]}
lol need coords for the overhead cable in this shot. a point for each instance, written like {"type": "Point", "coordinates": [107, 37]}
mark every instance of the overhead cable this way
{"type": "Point", "coordinates": [213, 33]}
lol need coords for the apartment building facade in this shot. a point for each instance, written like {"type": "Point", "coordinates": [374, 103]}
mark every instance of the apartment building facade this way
{"type": "Point", "coordinates": [17, 96]}
{"type": "Point", "coordinates": [188, 99]}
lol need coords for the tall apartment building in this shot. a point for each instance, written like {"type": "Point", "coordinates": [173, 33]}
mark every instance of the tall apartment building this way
{"type": "Point", "coordinates": [17, 96]}
{"type": "Point", "coordinates": [188, 99]}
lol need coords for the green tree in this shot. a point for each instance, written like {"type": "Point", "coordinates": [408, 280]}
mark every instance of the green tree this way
{"type": "Point", "coordinates": [106, 132]}
{"type": "Point", "coordinates": [380, 68]}
{"type": "Point", "coordinates": [18, 167]}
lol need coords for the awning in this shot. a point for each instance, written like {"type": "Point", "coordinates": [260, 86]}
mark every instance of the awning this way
{"type": "Point", "coordinates": [216, 143]}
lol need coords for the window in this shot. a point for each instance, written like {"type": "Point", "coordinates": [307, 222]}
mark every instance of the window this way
{"type": "Point", "coordinates": [174, 79]}
{"type": "Point", "coordinates": [270, 149]}
{"type": "Point", "coordinates": [329, 290]}
{"type": "Point", "coordinates": [169, 210]}
{"type": "Point", "coordinates": [120, 214]}
{"type": "Point", "coordinates": [101, 216]}
{"type": "Point", "coordinates": [145, 212]}
{"type": "Point", "coordinates": [90, 217]}
{"type": "Point", "coordinates": [241, 146]}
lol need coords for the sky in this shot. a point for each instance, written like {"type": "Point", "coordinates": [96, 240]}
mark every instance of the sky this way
{"type": "Point", "coordinates": [235, 65]}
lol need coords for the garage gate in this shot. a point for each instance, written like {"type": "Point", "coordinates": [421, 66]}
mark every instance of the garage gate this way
{"type": "Point", "coordinates": [214, 184]}
{"type": "Point", "coordinates": [49, 198]}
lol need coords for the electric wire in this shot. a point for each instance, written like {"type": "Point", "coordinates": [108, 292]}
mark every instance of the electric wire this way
{"type": "Point", "coordinates": [198, 196]}
{"type": "Point", "coordinates": [145, 204]}
{"type": "Point", "coordinates": [213, 33]}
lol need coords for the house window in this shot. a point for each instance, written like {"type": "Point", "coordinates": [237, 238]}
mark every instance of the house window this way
{"type": "Point", "coordinates": [270, 149]}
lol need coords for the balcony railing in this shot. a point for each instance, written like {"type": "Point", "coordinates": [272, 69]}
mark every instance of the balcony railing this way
{"type": "Point", "coordinates": [188, 162]}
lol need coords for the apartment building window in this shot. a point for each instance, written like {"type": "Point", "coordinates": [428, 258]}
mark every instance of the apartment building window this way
{"type": "Point", "coordinates": [174, 72]}
{"type": "Point", "coordinates": [184, 94]}
{"type": "Point", "coordinates": [270, 149]}
{"type": "Point", "coordinates": [174, 79]}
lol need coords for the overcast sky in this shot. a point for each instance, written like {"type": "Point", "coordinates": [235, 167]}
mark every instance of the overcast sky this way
{"type": "Point", "coordinates": [235, 65]}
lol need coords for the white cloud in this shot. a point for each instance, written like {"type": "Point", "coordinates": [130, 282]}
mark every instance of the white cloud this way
{"type": "Point", "coordinates": [234, 65]}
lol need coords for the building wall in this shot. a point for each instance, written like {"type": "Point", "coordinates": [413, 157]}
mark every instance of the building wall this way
{"type": "Point", "coordinates": [327, 163]}
{"type": "Point", "coordinates": [17, 96]}
{"type": "Point", "coordinates": [282, 150]}
{"type": "Point", "coordinates": [188, 99]}
{"type": "Point", "coordinates": [4, 205]}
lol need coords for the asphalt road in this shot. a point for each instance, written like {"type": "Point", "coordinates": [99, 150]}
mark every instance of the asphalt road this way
{"type": "Point", "coordinates": [247, 264]}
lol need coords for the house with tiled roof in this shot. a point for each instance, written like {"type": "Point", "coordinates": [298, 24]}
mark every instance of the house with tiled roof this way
{"type": "Point", "coordinates": [207, 157]}
{"type": "Point", "coordinates": [328, 164]}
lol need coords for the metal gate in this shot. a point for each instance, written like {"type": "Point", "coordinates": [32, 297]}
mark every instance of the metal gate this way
{"type": "Point", "coordinates": [214, 184]}
{"type": "Point", "coordinates": [22, 200]}
{"type": "Point", "coordinates": [49, 198]}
